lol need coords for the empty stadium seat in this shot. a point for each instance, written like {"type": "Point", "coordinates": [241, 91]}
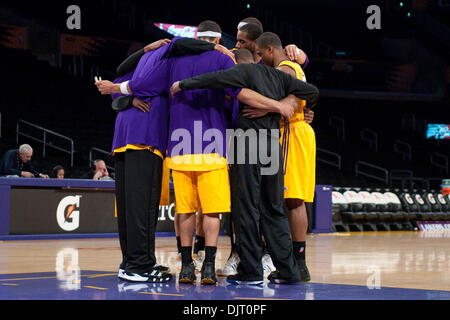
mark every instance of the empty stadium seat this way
{"type": "Point", "coordinates": [396, 209]}
{"type": "Point", "coordinates": [444, 201]}
{"type": "Point", "coordinates": [369, 206]}
{"type": "Point", "coordinates": [384, 214]}
{"type": "Point", "coordinates": [355, 206]}
{"type": "Point", "coordinates": [424, 209]}
{"type": "Point", "coordinates": [434, 205]}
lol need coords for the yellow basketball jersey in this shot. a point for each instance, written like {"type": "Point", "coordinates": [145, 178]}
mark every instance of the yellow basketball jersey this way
{"type": "Point", "coordinates": [298, 115]}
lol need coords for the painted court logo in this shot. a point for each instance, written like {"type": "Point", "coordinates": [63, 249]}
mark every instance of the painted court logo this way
{"type": "Point", "coordinates": [68, 214]}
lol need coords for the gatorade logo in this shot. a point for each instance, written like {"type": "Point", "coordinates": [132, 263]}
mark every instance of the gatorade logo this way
{"type": "Point", "coordinates": [409, 199]}
{"type": "Point", "coordinates": [67, 215]}
{"type": "Point", "coordinates": [431, 198]}
{"type": "Point", "coordinates": [441, 198]}
{"type": "Point", "coordinates": [419, 199]}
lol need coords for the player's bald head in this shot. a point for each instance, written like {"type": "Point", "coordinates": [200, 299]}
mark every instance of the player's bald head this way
{"type": "Point", "coordinates": [243, 56]}
{"type": "Point", "coordinates": [269, 39]}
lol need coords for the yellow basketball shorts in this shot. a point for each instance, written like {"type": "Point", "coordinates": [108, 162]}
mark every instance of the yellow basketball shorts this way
{"type": "Point", "coordinates": [165, 188]}
{"type": "Point", "coordinates": [300, 178]}
{"type": "Point", "coordinates": [208, 190]}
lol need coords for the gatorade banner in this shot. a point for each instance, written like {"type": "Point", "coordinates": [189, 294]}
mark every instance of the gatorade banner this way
{"type": "Point", "coordinates": [178, 30]}
{"type": "Point", "coordinates": [14, 37]}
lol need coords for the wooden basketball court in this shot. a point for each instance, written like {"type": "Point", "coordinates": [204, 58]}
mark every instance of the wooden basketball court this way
{"type": "Point", "coordinates": [368, 265]}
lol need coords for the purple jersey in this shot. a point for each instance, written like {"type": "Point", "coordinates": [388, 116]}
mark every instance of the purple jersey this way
{"type": "Point", "coordinates": [204, 113]}
{"type": "Point", "coordinates": [148, 82]}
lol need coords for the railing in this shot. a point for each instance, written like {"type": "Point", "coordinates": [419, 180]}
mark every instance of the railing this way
{"type": "Point", "coordinates": [399, 175]}
{"type": "Point", "coordinates": [98, 150]}
{"type": "Point", "coordinates": [371, 137]}
{"type": "Point", "coordinates": [403, 148]}
{"type": "Point", "coordinates": [336, 157]}
{"type": "Point", "coordinates": [339, 124]}
{"type": "Point", "coordinates": [44, 141]}
{"type": "Point", "coordinates": [442, 165]}
{"type": "Point", "coordinates": [383, 176]}
{"type": "Point", "coordinates": [412, 183]}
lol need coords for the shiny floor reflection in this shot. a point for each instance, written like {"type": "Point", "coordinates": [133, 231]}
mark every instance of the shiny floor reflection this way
{"type": "Point", "coordinates": [369, 265]}
{"type": "Point", "coordinates": [92, 285]}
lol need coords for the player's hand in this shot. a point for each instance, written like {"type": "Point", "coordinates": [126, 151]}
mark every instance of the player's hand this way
{"type": "Point", "coordinates": [286, 110]}
{"type": "Point", "coordinates": [156, 45]}
{"type": "Point", "coordinates": [175, 88]}
{"type": "Point", "coordinates": [308, 115]}
{"type": "Point", "coordinates": [45, 176]}
{"type": "Point", "coordinates": [141, 105]}
{"type": "Point", "coordinates": [292, 51]}
{"type": "Point", "coordinates": [222, 49]}
{"type": "Point", "coordinates": [104, 86]}
{"type": "Point", "coordinates": [251, 113]}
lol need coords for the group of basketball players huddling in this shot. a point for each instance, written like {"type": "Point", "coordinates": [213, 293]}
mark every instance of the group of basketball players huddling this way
{"type": "Point", "coordinates": [169, 88]}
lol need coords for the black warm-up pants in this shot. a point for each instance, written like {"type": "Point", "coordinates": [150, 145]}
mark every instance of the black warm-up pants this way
{"type": "Point", "coordinates": [257, 209]}
{"type": "Point", "coordinates": [138, 191]}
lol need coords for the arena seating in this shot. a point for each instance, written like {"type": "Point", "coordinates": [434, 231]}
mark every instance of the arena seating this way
{"type": "Point", "coordinates": [358, 209]}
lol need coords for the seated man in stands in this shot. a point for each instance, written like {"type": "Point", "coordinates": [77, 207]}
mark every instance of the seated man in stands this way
{"type": "Point", "coordinates": [100, 171]}
{"type": "Point", "coordinates": [17, 163]}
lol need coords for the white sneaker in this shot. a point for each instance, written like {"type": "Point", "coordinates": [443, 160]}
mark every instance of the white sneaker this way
{"type": "Point", "coordinates": [198, 259]}
{"type": "Point", "coordinates": [121, 273]}
{"type": "Point", "coordinates": [230, 267]}
{"type": "Point", "coordinates": [267, 263]}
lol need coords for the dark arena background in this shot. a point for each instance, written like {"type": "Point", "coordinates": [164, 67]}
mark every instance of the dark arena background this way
{"type": "Point", "coordinates": [379, 226]}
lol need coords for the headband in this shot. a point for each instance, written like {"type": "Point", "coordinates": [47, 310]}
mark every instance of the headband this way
{"type": "Point", "coordinates": [210, 34]}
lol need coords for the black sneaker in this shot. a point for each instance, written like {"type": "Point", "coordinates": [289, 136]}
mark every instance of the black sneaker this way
{"type": "Point", "coordinates": [304, 272]}
{"type": "Point", "coordinates": [152, 276]}
{"type": "Point", "coordinates": [236, 279]}
{"type": "Point", "coordinates": [275, 277]}
{"type": "Point", "coordinates": [161, 268]}
{"type": "Point", "coordinates": [187, 273]}
{"type": "Point", "coordinates": [209, 273]}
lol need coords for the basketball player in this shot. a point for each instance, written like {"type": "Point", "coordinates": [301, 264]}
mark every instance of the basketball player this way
{"type": "Point", "coordinates": [204, 183]}
{"type": "Point", "coordinates": [299, 181]}
{"type": "Point", "coordinates": [258, 197]}
{"type": "Point", "coordinates": [140, 139]}
{"type": "Point", "coordinates": [249, 30]}
{"type": "Point", "coordinates": [246, 39]}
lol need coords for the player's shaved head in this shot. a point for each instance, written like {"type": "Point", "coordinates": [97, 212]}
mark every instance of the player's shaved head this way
{"type": "Point", "coordinates": [243, 56]}
{"type": "Point", "coordinates": [269, 39]}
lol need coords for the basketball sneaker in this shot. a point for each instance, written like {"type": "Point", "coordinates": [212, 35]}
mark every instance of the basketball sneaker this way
{"type": "Point", "coordinates": [304, 272]}
{"type": "Point", "coordinates": [275, 277]}
{"type": "Point", "coordinates": [198, 259]}
{"type": "Point", "coordinates": [230, 267]}
{"type": "Point", "coordinates": [187, 273]}
{"type": "Point", "coordinates": [121, 272]}
{"type": "Point", "coordinates": [209, 273]}
{"type": "Point", "coordinates": [161, 268]}
{"type": "Point", "coordinates": [267, 263]}
{"type": "Point", "coordinates": [152, 276]}
{"type": "Point", "coordinates": [236, 279]}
